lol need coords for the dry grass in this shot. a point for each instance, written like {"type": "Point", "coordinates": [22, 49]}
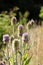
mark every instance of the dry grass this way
{"type": "Point", "coordinates": [36, 40]}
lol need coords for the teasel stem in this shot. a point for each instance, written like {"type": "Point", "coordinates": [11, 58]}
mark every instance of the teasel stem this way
{"type": "Point", "coordinates": [20, 52]}
{"type": "Point", "coordinates": [21, 60]}
{"type": "Point", "coordinates": [8, 53]}
{"type": "Point", "coordinates": [12, 54]}
{"type": "Point", "coordinates": [21, 56]}
{"type": "Point", "coordinates": [16, 58]}
{"type": "Point", "coordinates": [24, 45]}
{"type": "Point", "coordinates": [12, 29]}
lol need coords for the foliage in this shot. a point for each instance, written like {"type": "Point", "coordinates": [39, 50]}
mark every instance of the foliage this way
{"type": "Point", "coordinates": [23, 18]}
{"type": "Point", "coordinates": [41, 13]}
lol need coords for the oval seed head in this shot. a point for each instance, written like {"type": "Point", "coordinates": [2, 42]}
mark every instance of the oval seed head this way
{"type": "Point", "coordinates": [13, 20]}
{"type": "Point", "coordinates": [6, 38]}
{"type": "Point", "coordinates": [20, 30]}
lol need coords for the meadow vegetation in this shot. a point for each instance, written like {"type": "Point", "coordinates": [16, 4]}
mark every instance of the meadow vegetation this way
{"type": "Point", "coordinates": [21, 42]}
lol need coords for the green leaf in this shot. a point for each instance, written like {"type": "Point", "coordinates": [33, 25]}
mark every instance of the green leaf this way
{"type": "Point", "coordinates": [25, 56]}
{"type": "Point", "coordinates": [6, 57]}
{"type": "Point", "coordinates": [27, 61]}
{"type": "Point", "coordinates": [26, 14]}
{"type": "Point", "coordinates": [20, 53]}
{"type": "Point", "coordinates": [11, 60]}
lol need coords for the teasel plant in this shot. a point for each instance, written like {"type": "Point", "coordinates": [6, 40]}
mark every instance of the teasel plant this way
{"type": "Point", "coordinates": [6, 39]}
{"type": "Point", "coordinates": [20, 33]}
{"type": "Point", "coordinates": [30, 24]}
{"type": "Point", "coordinates": [25, 40]}
{"type": "Point", "coordinates": [15, 47]}
{"type": "Point", "coordinates": [24, 59]}
{"type": "Point", "coordinates": [13, 23]}
{"type": "Point", "coordinates": [22, 50]}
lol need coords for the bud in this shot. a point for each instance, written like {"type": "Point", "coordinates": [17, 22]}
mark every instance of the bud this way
{"type": "Point", "coordinates": [20, 30]}
{"type": "Point", "coordinates": [15, 43]}
{"type": "Point", "coordinates": [13, 20]}
{"type": "Point", "coordinates": [6, 38]}
{"type": "Point", "coordinates": [25, 37]}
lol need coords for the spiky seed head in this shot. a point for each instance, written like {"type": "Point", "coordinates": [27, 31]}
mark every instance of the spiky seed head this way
{"type": "Point", "coordinates": [25, 37]}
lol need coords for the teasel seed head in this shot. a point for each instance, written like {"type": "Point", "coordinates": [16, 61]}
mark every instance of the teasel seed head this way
{"type": "Point", "coordinates": [13, 20]}
{"type": "Point", "coordinates": [20, 30]}
{"type": "Point", "coordinates": [6, 38]}
{"type": "Point", "coordinates": [16, 44]}
{"type": "Point", "coordinates": [25, 37]}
